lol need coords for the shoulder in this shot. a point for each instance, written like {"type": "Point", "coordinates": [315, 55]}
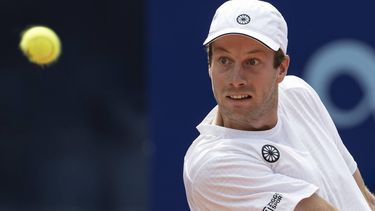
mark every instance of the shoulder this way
{"type": "Point", "coordinates": [297, 97]}
{"type": "Point", "coordinates": [222, 178]}
{"type": "Point", "coordinates": [217, 160]}
{"type": "Point", "coordinates": [219, 170]}
{"type": "Point", "coordinates": [294, 82]}
{"type": "Point", "coordinates": [297, 89]}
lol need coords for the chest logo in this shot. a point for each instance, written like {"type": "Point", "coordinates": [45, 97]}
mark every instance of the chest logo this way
{"type": "Point", "coordinates": [270, 153]}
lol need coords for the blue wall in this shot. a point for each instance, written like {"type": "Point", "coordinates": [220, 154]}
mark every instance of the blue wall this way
{"type": "Point", "coordinates": [181, 93]}
{"type": "Point", "coordinates": [73, 135]}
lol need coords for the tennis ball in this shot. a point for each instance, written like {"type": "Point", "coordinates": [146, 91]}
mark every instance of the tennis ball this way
{"type": "Point", "coordinates": [40, 45]}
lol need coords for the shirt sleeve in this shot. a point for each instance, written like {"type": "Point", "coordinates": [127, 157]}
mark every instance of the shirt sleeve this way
{"type": "Point", "coordinates": [326, 119]}
{"type": "Point", "coordinates": [235, 183]}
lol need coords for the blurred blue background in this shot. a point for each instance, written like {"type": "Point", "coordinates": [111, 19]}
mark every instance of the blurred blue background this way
{"type": "Point", "coordinates": [339, 31]}
{"type": "Point", "coordinates": [107, 127]}
{"type": "Point", "coordinates": [74, 136]}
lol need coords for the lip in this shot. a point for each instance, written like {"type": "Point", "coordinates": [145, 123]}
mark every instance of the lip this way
{"type": "Point", "coordinates": [239, 97]}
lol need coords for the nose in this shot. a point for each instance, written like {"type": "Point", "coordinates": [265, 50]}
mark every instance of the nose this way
{"type": "Point", "coordinates": [238, 78]}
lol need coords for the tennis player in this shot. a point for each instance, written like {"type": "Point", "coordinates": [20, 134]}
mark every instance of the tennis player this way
{"type": "Point", "coordinates": [269, 144]}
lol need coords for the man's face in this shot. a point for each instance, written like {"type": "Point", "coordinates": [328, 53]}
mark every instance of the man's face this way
{"type": "Point", "coordinates": [244, 81]}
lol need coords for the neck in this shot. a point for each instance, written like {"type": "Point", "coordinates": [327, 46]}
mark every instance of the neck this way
{"type": "Point", "coordinates": [251, 124]}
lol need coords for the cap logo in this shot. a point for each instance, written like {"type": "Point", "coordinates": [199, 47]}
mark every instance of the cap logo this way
{"type": "Point", "coordinates": [270, 153]}
{"type": "Point", "coordinates": [243, 19]}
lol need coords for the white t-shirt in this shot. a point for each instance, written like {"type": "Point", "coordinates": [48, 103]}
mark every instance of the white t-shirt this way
{"type": "Point", "coordinates": [272, 170]}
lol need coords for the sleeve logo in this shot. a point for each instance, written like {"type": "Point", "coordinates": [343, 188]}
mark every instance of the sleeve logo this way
{"type": "Point", "coordinates": [272, 205]}
{"type": "Point", "coordinates": [270, 153]}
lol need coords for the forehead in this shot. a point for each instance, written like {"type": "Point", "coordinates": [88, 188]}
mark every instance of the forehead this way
{"type": "Point", "coordinates": [237, 42]}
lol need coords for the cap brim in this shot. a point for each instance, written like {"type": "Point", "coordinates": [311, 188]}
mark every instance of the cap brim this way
{"type": "Point", "coordinates": [260, 37]}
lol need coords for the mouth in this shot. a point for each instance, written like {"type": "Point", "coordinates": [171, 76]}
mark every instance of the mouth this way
{"type": "Point", "coordinates": [239, 97]}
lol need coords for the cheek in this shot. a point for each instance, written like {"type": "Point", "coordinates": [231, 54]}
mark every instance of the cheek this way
{"type": "Point", "coordinates": [217, 84]}
{"type": "Point", "coordinates": [216, 80]}
{"type": "Point", "coordinates": [265, 86]}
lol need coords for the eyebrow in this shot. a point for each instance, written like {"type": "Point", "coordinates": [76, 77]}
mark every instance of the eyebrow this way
{"type": "Point", "coordinates": [220, 49]}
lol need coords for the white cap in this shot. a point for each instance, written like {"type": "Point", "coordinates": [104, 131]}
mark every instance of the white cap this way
{"type": "Point", "coordinates": [254, 18]}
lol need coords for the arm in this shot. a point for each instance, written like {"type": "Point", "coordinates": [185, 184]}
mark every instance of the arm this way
{"type": "Point", "coordinates": [314, 203]}
{"type": "Point", "coordinates": [370, 198]}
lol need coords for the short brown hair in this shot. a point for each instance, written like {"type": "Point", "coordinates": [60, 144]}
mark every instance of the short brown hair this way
{"type": "Point", "coordinates": [277, 59]}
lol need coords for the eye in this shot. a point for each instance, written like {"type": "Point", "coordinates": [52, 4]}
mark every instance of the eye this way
{"type": "Point", "coordinates": [252, 62]}
{"type": "Point", "coordinates": [224, 60]}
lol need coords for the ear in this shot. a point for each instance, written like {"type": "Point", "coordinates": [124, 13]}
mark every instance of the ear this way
{"type": "Point", "coordinates": [209, 72]}
{"type": "Point", "coordinates": [283, 69]}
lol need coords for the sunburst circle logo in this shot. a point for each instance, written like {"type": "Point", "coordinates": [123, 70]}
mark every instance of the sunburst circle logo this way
{"type": "Point", "coordinates": [243, 19]}
{"type": "Point", "coordinates": [270, 153]}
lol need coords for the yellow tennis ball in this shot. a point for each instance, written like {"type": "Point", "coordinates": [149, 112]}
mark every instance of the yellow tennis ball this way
{"type": "Point", "coordinates": [40, 45]}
